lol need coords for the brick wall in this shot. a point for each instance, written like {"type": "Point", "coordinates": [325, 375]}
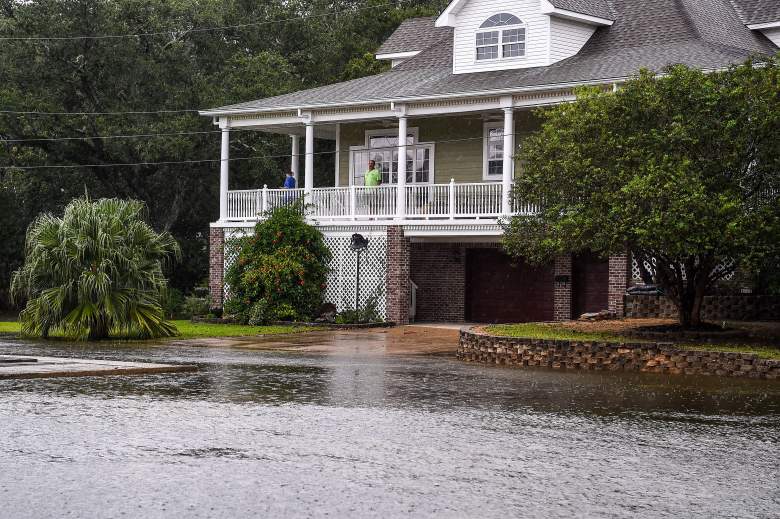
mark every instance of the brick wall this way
{"type": "Point", "coordinates": [562, 297]}
{"type": "Point", "coordinates": [714, 308]}
{"type": "Point", "coordinates": [439, 271]}
{"type": "Point", "coordinates": [619, 279]}
{"type": "Point", "coordinates": [397, 275]}
{"type": "Point", "coordinates": [216, 265]}
{"type": "Point", "coordinates": [606, 356]}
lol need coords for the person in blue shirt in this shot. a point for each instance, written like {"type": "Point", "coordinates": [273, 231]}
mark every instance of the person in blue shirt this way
{"type": "Point", "coordinates": [289, 182]}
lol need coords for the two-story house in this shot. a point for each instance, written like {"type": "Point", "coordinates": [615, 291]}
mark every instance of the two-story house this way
{"type": "Point", "coordinates": [456, 104]}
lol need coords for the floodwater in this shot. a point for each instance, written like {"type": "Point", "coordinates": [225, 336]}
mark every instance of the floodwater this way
{"type": "Point", "coordinates": [299, 434]}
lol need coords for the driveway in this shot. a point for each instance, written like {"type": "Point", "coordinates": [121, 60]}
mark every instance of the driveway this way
{"type": "Point", "coordinates": [402, 340]}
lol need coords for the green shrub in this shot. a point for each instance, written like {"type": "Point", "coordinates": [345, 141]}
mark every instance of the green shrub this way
{"type": "Point", "coordinates": [172, 302]}
{"type": "Point", "coordinates": [368, 314]}
{"type": "Point", "coordinates": [195, 306]}
{"type": "Point", "coordinates": [284, 263]}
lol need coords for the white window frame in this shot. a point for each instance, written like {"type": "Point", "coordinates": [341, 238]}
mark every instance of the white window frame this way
{"type": "Point", "coordinates": [393, 132]}
{"type": "Point", "coordinates": [490, 125]}
{"type": "Point", "coordinates": [500, 29]}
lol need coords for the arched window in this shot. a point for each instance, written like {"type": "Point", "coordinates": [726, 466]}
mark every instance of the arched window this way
{"type": "Point", "coordinates": [506, 39]}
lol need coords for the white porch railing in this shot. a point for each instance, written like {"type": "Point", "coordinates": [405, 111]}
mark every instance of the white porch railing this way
{"type": "Point", "coordinates": [423, 202]}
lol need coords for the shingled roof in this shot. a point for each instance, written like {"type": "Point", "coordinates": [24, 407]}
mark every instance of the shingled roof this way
{"type": "Point", "coordinates": [706, 34]}
{"type": "Point", "coordinates": [757, 11]}
{"type": "Point", "coordinates": [597, 8]}
{"type": "Point", "coordinates": [413, 35]}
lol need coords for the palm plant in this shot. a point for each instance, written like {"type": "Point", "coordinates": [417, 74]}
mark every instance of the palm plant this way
{"type": "Point", "coordinates": [95, 271]}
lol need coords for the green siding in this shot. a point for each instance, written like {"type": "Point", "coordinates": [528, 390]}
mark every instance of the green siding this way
{"type": "Point", "coordinates": [459, 143]}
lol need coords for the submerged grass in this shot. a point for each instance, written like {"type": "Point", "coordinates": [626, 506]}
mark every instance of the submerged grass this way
{"type": "Point", "coordinates": [190, 330]}
{"type": "Point", "coordinates": [555, 332]}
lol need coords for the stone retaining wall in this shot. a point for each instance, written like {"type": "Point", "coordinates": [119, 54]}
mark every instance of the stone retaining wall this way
{"type": "Point", "coordinates": [653, 357]}
{"type": "Point", "coordinates": [715, 308]}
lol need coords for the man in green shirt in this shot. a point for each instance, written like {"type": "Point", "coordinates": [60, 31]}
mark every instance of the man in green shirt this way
{"type": "Point", "coordinates": [373, 176]}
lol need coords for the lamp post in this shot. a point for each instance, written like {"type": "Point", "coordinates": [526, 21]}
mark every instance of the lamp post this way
{"type": "Point", "coordinates": [358, 244]}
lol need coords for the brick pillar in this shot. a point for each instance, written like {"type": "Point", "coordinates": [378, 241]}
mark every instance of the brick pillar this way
{"type": "Point", "coordinates": [397, 281]}
{"type": "Point", "coordinates": [562, 298]}
{"type": "Point", "coordinates": [216, 265]}
{"type": "Point", "coordinates": [619, 276]}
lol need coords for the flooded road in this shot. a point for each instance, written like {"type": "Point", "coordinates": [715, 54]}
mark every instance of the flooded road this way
{"type": "Point", "coordinates": [353, 431]}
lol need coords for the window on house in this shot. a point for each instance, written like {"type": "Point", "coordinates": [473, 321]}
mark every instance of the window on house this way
{"type": "Point", "coordinates": [493, 151]}
{"type": "Point", "coordinates": [505, 40]}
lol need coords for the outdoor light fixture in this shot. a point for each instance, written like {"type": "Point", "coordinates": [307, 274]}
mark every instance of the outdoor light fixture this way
{"type": "Point", "coordinates": [358, 244]}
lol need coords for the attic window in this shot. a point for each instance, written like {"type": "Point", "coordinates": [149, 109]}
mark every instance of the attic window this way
{"type": "Point", "coordinates": [507, 40]}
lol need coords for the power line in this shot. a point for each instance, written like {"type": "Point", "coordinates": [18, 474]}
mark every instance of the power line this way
{"type": "Point", "coordinates": [106, 137]}
{"type": "Point", "coordinates": [184, 31]}
{"type": "Point", "coordinates": [233, 159]}
{"type": "Point", "coordinates": [136, 112]}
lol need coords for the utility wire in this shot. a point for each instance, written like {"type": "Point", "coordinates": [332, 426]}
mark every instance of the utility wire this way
{"type": "Point", "coordinates": [106, 137]}
{"type": "Point", "coordinates": [186, 31]}
{"type": "Point", "coordinates": [199, 161]}
{"type": "Point", "coordinates": [136, 112]}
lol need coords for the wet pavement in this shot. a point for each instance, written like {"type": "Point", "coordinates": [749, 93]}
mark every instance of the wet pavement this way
{"type": "Point", "coordinates": [363, 424]}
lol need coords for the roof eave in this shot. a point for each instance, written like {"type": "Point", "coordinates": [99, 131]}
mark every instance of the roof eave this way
{"type": "Point", "coordinates": [764, 25]}
{"type": "Point", "coordinates": [551, 10]}
{"type": "Point", "coordinates": [480, 93]}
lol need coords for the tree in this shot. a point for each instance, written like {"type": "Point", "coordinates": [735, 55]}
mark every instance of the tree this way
{"type": "Point", "coordinates": [281, 269]}
{"type": "Point", "coordinates": [680, 168]}
{"type": "Point", "coordinates": [269, 48]}
{"type": "Point", "coordinates": [96, 270]}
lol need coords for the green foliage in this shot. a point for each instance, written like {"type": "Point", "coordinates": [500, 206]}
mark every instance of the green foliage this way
{"type": "Point", "coordinates": [96, 270]}
{"type": "Point", "coordinates": [284, 264]}
{"type": "Point", "coordinates": [369, 313]}
{"type": "Point", "coordinates": [682, 167]}
{"type": "Point", "coordinates": [172, 302]}
{"type": "Point", "coordinates": [196, 306]}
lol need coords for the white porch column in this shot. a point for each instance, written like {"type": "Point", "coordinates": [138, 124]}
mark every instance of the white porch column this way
{"type": "Point", "coordinates": [337, 159]}
{"type": "Point", "coordinates": [508, 165]}
{"type": "Point", "coordinates": [295, 163]}
{"type": "Point", "coordinates": [224, 174]}
{"type": "Point", "coordinates": [309, 166]}
{"type": "Point", "coordinates": [400, 209]}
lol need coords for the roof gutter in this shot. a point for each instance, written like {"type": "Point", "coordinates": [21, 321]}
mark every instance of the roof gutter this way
{"type": "Point", "coordinates": [480, 93]}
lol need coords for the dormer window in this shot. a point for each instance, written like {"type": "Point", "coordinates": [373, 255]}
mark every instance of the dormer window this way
{"type": "Point", "coordinates": [505, 40]}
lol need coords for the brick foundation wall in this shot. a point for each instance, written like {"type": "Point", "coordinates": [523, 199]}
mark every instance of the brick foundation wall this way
{"type": "Point", "coordinates": [714, 308]}
{"type": "Point", "coordinates": [603, 356]}
{"type": "Point", "coordinates": [562, 304]}
{"type": "Point", "coordinates": [397, 275]}
{"type": "Point", "coordinates": [619, 279]}
{"type": "Point", "coordinates": [216, 266]}
{"type": "Point", "coordinates": [439, 271]}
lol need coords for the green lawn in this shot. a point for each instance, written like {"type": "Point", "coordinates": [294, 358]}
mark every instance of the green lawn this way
{"type": "Point", "coordinates": [9, 327]}
{"type": "Point", "coordinates": [547, 331]}
{"type": "Point", "coordinates": [553, 332]}
{"type": "Point", "coordinates": [190, 330]}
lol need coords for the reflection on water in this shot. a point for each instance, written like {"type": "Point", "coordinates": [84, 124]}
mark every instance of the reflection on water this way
{"type": "Point", "coordinates": [264, 433]}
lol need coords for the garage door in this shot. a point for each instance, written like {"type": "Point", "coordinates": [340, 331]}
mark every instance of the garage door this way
{"type": "Point", "coordinates": [502, 290]}
{"type": "Point", "coordinates": [590, 284]}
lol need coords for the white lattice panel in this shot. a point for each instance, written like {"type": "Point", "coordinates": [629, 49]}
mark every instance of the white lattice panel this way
{"type": "Point", "coordinates": [636, 275]}
{"type": "Point", "coordinates": [342, 278]}
{"type": "Point", "coordinates": [231, 252]}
